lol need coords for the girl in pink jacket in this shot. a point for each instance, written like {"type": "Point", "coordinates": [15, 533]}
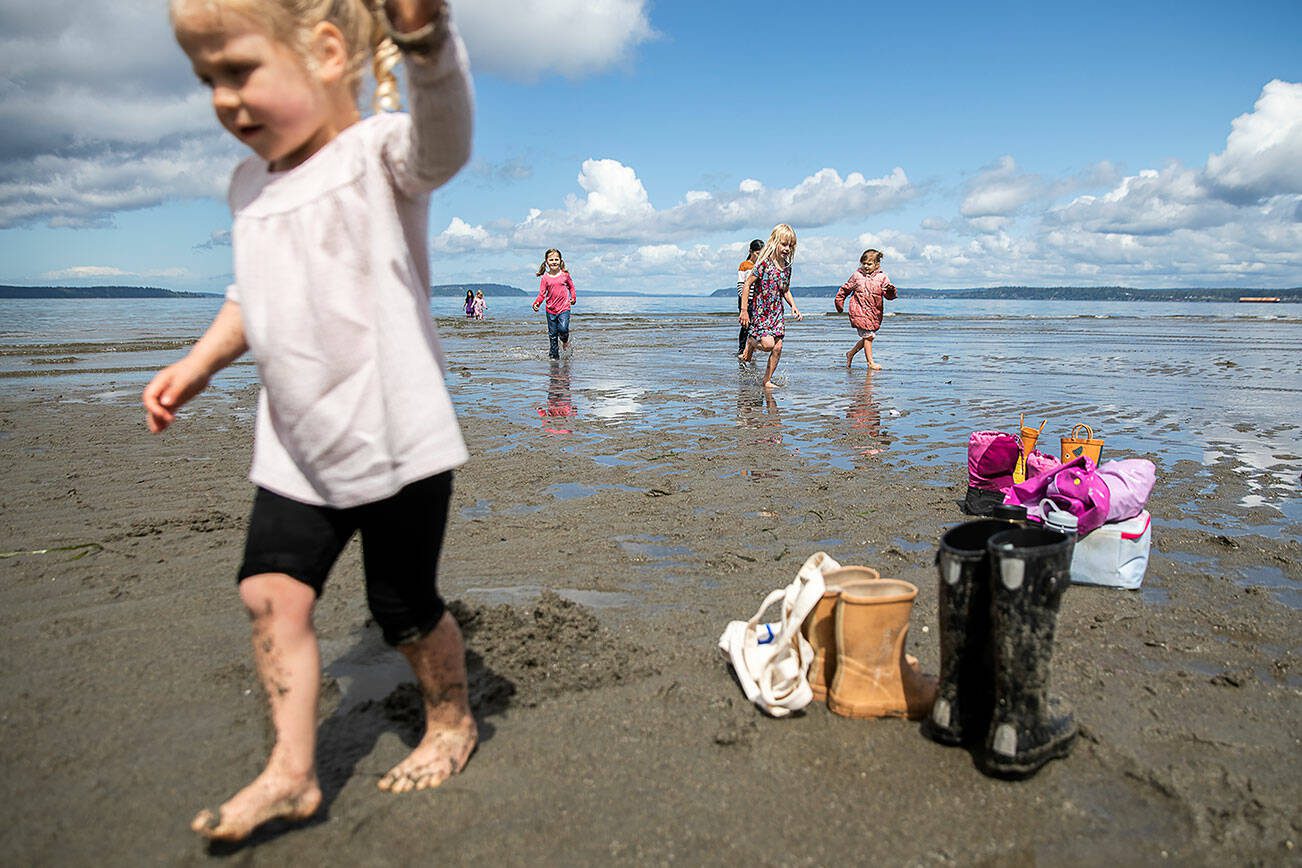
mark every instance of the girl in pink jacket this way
{"type": "Point", "coordinates": [868, 288]}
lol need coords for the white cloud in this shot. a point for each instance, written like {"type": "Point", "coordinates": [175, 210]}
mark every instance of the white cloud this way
{"type": "Point", "coordinates": [98, 272]}
{"type": "Point", "coordinates": [1263, 154]}
{"type": "Point", "coordinates": [82, 271]}
{"type": "Point", "coordinates": [618, 209]}
{"type": "Point", "coordinates": [87, 191]}
{"type": "Point", "coordinates": [1000, 190]}
{"type": "Point", "coordinates": [524, 39]}
{"type": "Point", "coordinates": [460, 237]}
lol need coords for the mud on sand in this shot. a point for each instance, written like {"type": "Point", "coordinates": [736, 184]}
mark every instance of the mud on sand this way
{"type": "Point", "coordinates": [611, 730]}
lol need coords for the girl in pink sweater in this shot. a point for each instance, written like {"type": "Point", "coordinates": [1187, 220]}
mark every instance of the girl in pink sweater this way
{"type": "Point", "coordinates": [557, 290]}
{"type": "Point", "coordinates": [867, 289]}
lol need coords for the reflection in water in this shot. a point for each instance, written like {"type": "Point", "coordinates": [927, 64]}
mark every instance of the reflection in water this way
{"type": "Point", "coordinates": [865, 418]}
{"type": "Point", "coordinates": [759, 412]}
{"type": "Point", "coordinates": [560, 405]}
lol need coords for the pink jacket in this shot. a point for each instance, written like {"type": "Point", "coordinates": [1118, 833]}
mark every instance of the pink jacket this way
{"type": "Point", "coordinates": [558, 290]}
{"type": "Point", "coordinates": [866, 293]}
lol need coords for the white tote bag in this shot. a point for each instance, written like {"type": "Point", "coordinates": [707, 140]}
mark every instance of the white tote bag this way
{"type": "Point", "coordinates": [771, 659]}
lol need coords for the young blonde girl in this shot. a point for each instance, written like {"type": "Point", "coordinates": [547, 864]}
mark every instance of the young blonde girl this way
{"type": "Point", "coordinates": [867, 289]}
{"type": "Point", "coordinates": [765, 289]}
{"type": "Point", "coordinates": [355, 428]}
{"type": "Point", "coordinates": [557, 289]}
{"type": "Point", "coordinates": [480, 304]}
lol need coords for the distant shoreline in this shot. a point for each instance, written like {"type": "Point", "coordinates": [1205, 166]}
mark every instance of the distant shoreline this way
{"type": "Point", "coordinates": [1254, 295]}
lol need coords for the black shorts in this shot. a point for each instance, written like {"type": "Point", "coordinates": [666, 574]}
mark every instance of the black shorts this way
{"type": "Point", "coordinates": [401, 539]}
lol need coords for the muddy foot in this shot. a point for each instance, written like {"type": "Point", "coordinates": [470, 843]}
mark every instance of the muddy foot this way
{"type": "Point", "coordinates": [267, 798]}
{"type": "Point", "coordinates": [440, 755]}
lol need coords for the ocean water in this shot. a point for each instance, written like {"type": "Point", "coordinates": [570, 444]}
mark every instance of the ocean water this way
{"type": "Point", "coordinates": [1208, 383]}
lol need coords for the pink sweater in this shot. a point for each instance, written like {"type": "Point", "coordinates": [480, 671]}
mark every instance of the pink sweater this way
{"type": "Point", "coordinates": [866, 293]}
{"type": "Point", "coordinates": [558, 289]}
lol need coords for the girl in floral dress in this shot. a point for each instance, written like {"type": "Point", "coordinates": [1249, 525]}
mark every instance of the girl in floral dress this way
{"type": "Point", "coordinates": [763, 294]}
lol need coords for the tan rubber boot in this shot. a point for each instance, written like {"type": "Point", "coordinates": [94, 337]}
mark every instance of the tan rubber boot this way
{"type": "Point", "coordinates": [820, 627]}
{"type": "Point", "coordinates": [874, 677]}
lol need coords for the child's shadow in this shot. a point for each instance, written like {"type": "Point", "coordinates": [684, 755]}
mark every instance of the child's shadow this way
{"type": "Point", "coordinates": [382, 697]}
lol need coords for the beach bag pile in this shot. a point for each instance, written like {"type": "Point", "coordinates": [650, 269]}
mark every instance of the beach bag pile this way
{"type": "Point", "coordinates": [1108, 499]}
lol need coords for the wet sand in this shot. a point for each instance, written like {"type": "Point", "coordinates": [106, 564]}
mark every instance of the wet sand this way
{"type": "Point", "coordinates": [593, 571]}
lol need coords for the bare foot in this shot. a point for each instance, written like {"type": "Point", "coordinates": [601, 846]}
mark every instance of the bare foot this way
{"type": "Point", "coordinates": [441, 754]}
{"type": "Point", "coordinates": [270, 796]}
{"type": "Point", "coordinates": [771, 385]}
{"type": "Point", "coordinates": [849, 360]}
{"type": "Point", "coordinates": [874, 366]}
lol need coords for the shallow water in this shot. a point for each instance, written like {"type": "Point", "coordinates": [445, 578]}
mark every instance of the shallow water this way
{"type": "Point", "coordinates": [1208, 383]}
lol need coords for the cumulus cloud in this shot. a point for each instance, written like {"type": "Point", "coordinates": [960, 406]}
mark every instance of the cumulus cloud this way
{"type": "Point", "coordinates": [616, 208]}
{"type": "Point", "coordinates": [1000, 190]}
{"type": "Point", "coordinates": [524, 39]}
{"type": "Point", "coordinates": [86, 132]}
{"type": "Point", "coordinates": [99, 272]}
{"type": "Point", "coordinates": [75, 190]}
{"type": "Point", "coordinates": [460, 237]}
{"type": "Point", "coordinates": [1263, 154]}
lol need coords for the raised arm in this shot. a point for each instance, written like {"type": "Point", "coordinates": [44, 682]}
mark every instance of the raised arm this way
{"type": "Point", "coordinates": [176, 384]}
{"type": "Point", "coordinates": [442, 99]}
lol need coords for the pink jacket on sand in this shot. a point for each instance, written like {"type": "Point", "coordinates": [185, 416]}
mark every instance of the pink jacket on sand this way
{"type": "Point", "coordinates": [866, 293]}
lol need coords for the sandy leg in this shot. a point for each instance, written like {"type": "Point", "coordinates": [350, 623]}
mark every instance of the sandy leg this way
{"type": "Point", "coordinates": [439, 662]}
{"type": "Point", "coordinates": [774, 355]}
{"type": "Point", "coordinates": [289, 666]}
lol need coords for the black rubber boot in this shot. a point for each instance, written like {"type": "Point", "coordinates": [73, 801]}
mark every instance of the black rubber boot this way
{"type": "Point", "coordinates": [961, 713]}
{"type": "Point", "coordinates": [1030, 570]}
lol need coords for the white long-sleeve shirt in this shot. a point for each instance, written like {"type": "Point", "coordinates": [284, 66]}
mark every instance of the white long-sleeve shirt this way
{"type": "Point", "coordinates": [332, 279]}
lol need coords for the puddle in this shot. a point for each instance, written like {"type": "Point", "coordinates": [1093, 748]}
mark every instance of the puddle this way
{"type": "Point", "coordinates": [651, 547]}
{"type": "Point", "coordinates": [904, 545]}
{"type": "Point", "coordinates": [1273, 579]}
{"type": "Point", "coordinates": [481, 509]}
{"type": "Point", "coordinates": [1154, 596]}
{"type": "Point", "coordinates": [612, 461]}
{"type": "Point", "coordinates": [570, 490]}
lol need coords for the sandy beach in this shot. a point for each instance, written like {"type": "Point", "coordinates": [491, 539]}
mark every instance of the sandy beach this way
{"type": "Point", "coordinates": [593, 565]}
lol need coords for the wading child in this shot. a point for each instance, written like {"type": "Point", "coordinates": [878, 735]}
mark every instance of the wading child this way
{"type": "Point", "coordinates": [763, 292]}
{"type": "Point", "coordinates": [469, 305]}
{"type": "Point", "coordinates": [867, 289]}
{"type": "Point", "coordinates": [743, 271]}
{"type": "Point", "coordinates": [480, 305]}
{"type": "Point", "coordinates": [355, 429]}
{"type": "Point", "coordinates": [557, 290]}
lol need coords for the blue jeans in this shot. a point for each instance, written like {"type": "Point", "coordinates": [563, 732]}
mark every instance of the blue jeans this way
{"type": "Point", "coordinates": [558, 325]}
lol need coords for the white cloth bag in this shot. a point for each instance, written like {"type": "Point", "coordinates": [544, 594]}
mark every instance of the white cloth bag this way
{"type": "Point", "coordinates": [772, 659]}
{"type": "Point", "coordinates": [1114, 555]}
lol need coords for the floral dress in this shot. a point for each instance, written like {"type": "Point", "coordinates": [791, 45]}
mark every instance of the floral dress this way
{"type": "Point", "coordinates": [767, 314]}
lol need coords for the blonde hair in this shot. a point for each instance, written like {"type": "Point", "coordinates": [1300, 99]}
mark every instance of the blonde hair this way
{"type": "Point", "coordinates": [871, 253]}
{"type": "Point", "coordinates": [550, 251]}
{"type": "Point", "coordinates": [781, 232]}
{"type": "Point", "coordinates": [290, 22]}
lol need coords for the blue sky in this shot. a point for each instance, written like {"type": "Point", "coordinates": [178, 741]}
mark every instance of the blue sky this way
{"type": "Point", "coordinates": [1145, 144]}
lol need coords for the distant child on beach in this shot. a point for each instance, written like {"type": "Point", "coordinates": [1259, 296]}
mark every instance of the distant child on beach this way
{"type": "Point", "coordinates": [480, 305]}
{"type": "Point", "coordinates": [867, 289]}
{"type": "Point", "coordinates": [355, 428]}
{"type": "Point", "coordinates": [763, 292]}
{"type": "Point", "coordinates": [470, 304]}
{"type": "Point", "coordinates": [557, 290]}
{"type": "Point", "coordinates": [743, 271]}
